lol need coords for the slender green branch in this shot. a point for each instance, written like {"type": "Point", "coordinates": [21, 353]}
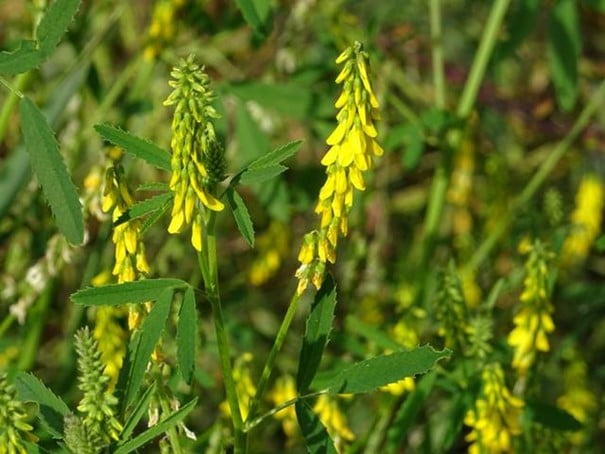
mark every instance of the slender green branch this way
{"type": "Point", "coordinates": [270, 363]}
{"type": "Point", "coordinates": [208, 265]}
{"type": "Point", "coordinates": [596, 102]}
{"type": "Point", "coordinates": [437, 57]}
{"type": "Point", "coordinates": [11, 101]}
{"type": "Point", "coordinates": [440, 180]}
{"type": "Point", "coordinates": [252, 424]}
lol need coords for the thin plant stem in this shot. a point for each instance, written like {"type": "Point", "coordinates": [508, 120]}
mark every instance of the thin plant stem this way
{"type": "Point", "coordinates": [596, 102]}
{"type": "Point", "coordinates": [208, 265]}
{"type": "Point", "coordinates": [465, 106]}
{"type": "Point", "coordinates": [15, 94]}
{"type": "Point", "coordinates": [270, 363]}
{"type": "Point", "coordinates": [437, 56]}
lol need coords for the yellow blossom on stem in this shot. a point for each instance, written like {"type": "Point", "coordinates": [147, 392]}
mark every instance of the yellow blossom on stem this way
{"type": "Point", "coordinates": [353, 147]}
{"type": "Point", "coordinates": [496, 416]}
{"type": "Point", "coordinates": [246, 390]}
{"type": "Point", "coordinates": [585, 220]}
{"type": "Point", "coordinates": [285, 390]}
{"type": "Point", "coordinates": [273, 245]}
{"type": "Point", "coordinates": [533, 322]}
{"type": "Point", "coordinates": [333, 419]}
{"type": "Point", "coordinates": [197, 158]}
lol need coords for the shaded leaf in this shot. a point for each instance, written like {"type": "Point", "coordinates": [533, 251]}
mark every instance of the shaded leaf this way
{"type": "Point", "coordinates": [136, 146]}
{"type": "Point", "coordinates": [186, 336]}
{"type": "Point", "coordinates": [564, 46]}
{"type": "Point", "coordinates": [373, 373]}
{"type": "Point", "coordinates": [127, 292]}
{"type": "Point", "coordinates": [52, 174]}
{"type": "Point", "coordinates": [255, 14]}
{"type": "Point", "coordinates": [316, 436]}
{"type": "Point", "coordinates": [241, 215]}
{"type": "Point", "coordinates": [52, 408]}
{"type": "Point", "coordinates": [137, 413]}
{"type": "Point", "coordinates": [25, 57]}
{"type": "Point", "coordinates": [552, 416]}
{"type": "Point", "coordinates": [317, 333]}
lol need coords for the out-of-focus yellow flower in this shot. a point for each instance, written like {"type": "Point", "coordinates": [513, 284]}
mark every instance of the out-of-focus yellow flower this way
{"type": "Point", "coordinates": [112, 338]}
{"type": "Point", "coordinates": [460, 189]}
{"type": "Point", "coordinates": [533, 322]}
{"type": "Point", "coordinates": [496, 418]}
{"type": "Point", "coordinates": [353, 147]}
{"type": "Point", "coordinates": [273, 245]}
{"type": "Point", "coordinates": [243, 385]}
{"type": "Point", "coordinates": [585, 221]}
{"type": "Point", "coordinates": [577, 399]}
{"type": "Point", "coordinates": [163, 27]}
{"type": "Point", "coordinates": [194, 144]}
{"type": "Point", "coordinates": [334, 420]}
{"type": "Point", "coordinates": [400, 387]}
{"type": "Point", "coordinates": [284, 391]}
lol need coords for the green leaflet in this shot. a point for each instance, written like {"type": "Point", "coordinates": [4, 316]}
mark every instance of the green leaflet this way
{"type": "Point", "coordinates": [316, 436]}
{"type": "Point", "coordinates": [241, 215]}
{"type": "Point", "coordinates": [143, 343]}
{"type": "Point", "coordinates": [145, 207]}
{"type": "Point", "coordinates": [52, 408]}
{"type": "Point", "coordinates": [127, 292]}
{"type": "Point", "coordinates": [276, 156]}
{"type": "Point", "coordinates": [137, 413]}
{"type": "Point", "coordinates": [368, 375]}
{"type": "Point", "coordinates": [157, 430]}
{"type": "Point", "coordinates": [256, 14]}
{"type": "Point", "coordinates": [52, 174]}
{"type": "Point", "coordinates": [187, 335]}
{"type": "Point", "coordinates": [136, 146]}
{"type": "Point", "coordinates": [31, 54]}
{"type": "Point", "coordinates": [551, 416]}
{"type": "Point", "coordinates": [317, 333]}
{"type": "Point", "coordinates": [260, 174]}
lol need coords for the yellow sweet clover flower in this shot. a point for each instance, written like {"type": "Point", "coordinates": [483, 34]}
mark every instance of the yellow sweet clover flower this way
{"type": "Point", "coordinates": [533, 322]}
{"type": "Point", "coordinates": [273, 245]}
{"type": "Point", "coordinates": [496, 416]}
{"type": "Point", "coordinates": [130, 261]}
{"type": "Point", "coordinates": [577, 399]}
{"type": "Point", "coordinates": [353, 147]}
{"type": "Point", "coordinates": [197, 157]}
{"type": "Point", "coordinates": [162, 28]}
{"type": "Point", "coordinates": [333, 419]}
{"type": "Point", "coordinates": [585, 220]}
{"type": "Point", "coordinates": [245, 388]}
{"type": "Point", "coordinates": [283, 391]}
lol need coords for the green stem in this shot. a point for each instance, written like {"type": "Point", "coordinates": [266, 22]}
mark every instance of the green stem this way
{"type": "Point", "coordinates": [437, 57]}
{"type": "Point", "coordinates": [173, 436]}
{"type": "Point", "coordinates": [270, 363]}
{"type": "Point", "coordinates": [208, 265]}
{"type": "Point", "coordinates": [11, 101]}
{"type": "Point", "coordinates": [596, 102]}
{"type": "Point", "coordinates": [467, 100]}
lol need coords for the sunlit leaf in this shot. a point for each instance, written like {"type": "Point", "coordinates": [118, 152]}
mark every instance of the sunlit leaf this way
{"type": "Point", "coordinates": [127, 292]}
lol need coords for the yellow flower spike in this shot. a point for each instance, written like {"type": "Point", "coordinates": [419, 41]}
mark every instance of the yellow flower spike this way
{"type": "Point", "coordinates": [352, 146]}
{"type": "Point", "coordinates": [533, 322]}
{"type": "Point", "coordinates": [197, 160]}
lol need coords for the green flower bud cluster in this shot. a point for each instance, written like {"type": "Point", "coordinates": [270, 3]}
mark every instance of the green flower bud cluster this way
{"type": "Point", "coordinates": [14, 429]}
{"type": "Point", "coordinates": [450, 309]}
{"type": "Point", "coordinates": [98, 403]}
{"type": "Point", "coordinates": [79, 438]}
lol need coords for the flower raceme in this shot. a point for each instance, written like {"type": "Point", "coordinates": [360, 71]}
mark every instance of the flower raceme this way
{"type": "Point", "coordinates": [197, 157]}
{"type": "Point", "coordinates": [496, 417]}
{"type": "Point", "coordinates": [353, 147]}
{"type": "Point", "coordinates": [533, 322]}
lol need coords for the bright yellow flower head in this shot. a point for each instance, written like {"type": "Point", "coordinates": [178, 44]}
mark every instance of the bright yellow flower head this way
{"type": "Point", "coordinates": [194, 146]}
{"type": "Point", "coordinates": [496, 418]}
{"type": "Point", "coordinates": [533, 322]}
{"type": "Point", "coordinates": [353, 147]}
{"type": "Point", "coordinates": [585, 220]}
{"type": "Point", "coordinates": [284, 391]}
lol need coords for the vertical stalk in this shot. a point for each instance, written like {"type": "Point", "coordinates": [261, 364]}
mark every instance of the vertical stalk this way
{"type": "Point", "coordinates": [270, 363]}
{"type": "Point", "coordinates": [437, 57]}
{"type": "Point", "coordinates": [465, 105]}
{"type": "Point", "coordinates": [208, 265]}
